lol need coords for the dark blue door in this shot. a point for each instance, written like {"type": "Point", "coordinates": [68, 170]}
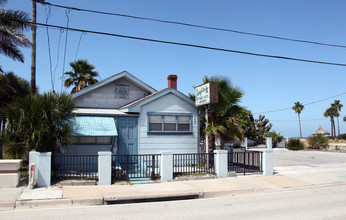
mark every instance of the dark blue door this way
{"type": "Point", "coordinates": [127, 136]}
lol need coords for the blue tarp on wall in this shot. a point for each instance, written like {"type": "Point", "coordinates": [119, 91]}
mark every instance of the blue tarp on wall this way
{"type": "Point", "coordinates": [92, 126]}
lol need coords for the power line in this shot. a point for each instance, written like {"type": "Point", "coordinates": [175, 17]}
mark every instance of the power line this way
{"type": "Point", "coordinates": [320, 119]}
{"type": "Point", "coordinates": [310, 103]}
{"type": "Point", "coordinates": [189, 45]}
{"type": "Point", "coordinates": [195, 25]}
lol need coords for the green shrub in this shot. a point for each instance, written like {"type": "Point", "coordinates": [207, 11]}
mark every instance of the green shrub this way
{"type": "Point", "coordinates": [295, 144]}
{"type": "Point", "coordinates": [341, 137]}
{"type": "Point", "coordinates": [318, 142]}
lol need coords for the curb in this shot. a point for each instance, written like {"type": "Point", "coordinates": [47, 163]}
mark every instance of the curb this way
{"type": "Point", "coordinates": [44, 203]}
{"type": "Point", "coordinates": [5, 206]}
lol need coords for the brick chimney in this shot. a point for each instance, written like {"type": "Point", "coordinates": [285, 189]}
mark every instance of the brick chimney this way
{"type": "Point", "coordinates": [172, 81]}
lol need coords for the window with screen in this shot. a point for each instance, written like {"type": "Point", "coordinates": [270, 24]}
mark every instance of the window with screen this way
{"type": "Point", "coordinates": [169, 123]}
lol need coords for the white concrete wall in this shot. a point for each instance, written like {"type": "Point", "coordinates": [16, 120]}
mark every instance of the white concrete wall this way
{"type": "Point", "coordinates": [177, 143]}
{"type": "Point", "coordinates": [104, 97]}
{"type": "Point", "coordinates": [9, 174]}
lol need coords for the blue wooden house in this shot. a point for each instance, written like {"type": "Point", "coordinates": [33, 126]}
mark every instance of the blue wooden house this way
{"type": "Point", "coordinates": [124, 115]}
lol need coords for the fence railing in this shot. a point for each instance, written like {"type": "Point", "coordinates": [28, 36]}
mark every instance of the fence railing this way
{"type": "Point", "coordinates": [135, 166]}
{"type": "Point", "coordinates": [195, 163]}
{"type": "Point", "coordinates": [75, 166]}
{"type": "Point", "coordinates": [245, 162]}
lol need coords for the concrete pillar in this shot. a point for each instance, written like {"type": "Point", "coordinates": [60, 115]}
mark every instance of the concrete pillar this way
{"type": "Point", "coordinates": [245, 143]}
{"type": "Point", "coordinates": [269, 143]}
{"type": "Point", "coordinates": [166, 166]}
{"type": "Point", "coordinates": [220, 163]}
{"type": "Point", "coordinates": [267, 162]}
{"type": "Point", "coordinates": [105, 167]}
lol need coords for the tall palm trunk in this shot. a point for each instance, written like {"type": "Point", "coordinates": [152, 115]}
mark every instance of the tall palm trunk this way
{"type": "Point", "coordinates": [33, 49]}
{"type": "Point", "coordinates": [300, 127]}
{"type": "Point", "coordinates": [338, 125]}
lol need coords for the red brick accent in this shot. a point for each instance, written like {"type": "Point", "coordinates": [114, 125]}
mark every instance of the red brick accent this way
{"type": "Point", "coordinates": [172, 81]}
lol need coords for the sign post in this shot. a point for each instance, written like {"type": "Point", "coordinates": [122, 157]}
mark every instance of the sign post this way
{"type": "Point", "coordinates": [207, 94]}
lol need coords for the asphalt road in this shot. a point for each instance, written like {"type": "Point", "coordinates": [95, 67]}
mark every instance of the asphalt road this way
{"type": "Point", "coordinates": [307, 158]}
{"type": "Point", "coordinates": [327, 202]}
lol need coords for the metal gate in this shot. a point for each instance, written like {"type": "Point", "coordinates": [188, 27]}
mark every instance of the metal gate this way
{"type": "Point", "coordinates": [245, 162]}
{"type": "Point", "coordinates": [126, 167]}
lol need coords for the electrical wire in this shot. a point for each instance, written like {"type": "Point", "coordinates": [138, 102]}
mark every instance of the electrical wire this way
{"type": "Point", "coordinates": [190, 45]}
{"type": "Point", "coordinates": [58, 52]}
{"type": "Point", "coordinates": [309, 103]}
{"type": "Point", "coordinates": [196, 26]}
{"type": "Point", "coordinates": [80, 39]}
{"type": "Point", "coordinates": [67, 12]}
{"type": "Point", "coordinates": [48, 15]}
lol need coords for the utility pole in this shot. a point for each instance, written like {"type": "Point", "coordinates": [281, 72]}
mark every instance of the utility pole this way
{"type": "Point", "coordinates": [33, 47]}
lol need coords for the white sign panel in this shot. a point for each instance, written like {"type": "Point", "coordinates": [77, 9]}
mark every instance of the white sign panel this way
{"type": "Point", "coordinates": [202, 94]}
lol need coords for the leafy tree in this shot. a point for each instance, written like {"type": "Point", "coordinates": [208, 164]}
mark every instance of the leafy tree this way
{"type": "Point", "coordinates": [344, 118]}
{"type": "Point", "coordinates": [83, 75]}
{"type": "Point", "coordinates": [12, 25]}
{"type": "Point", "coordinates": [224, 116]}
{"type": "Point", "coordinates": [298, 108]}
{"type": "Point", "coordinates": [276, 137]}
{"type": "Point", "coordinates": [260, 128]}
{"type": "Point", "coordinates": [38, 122]}
{"type": "Point", "coordinates": [331, 112]}
{"type": "Point", "coordinates": [338, 106]}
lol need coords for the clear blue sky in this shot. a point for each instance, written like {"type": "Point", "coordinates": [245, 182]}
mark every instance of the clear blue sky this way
{"type": "Point", "coordinates": [268, 84]}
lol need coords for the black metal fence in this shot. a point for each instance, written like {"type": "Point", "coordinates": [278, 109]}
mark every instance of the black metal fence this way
{"type": "Point", "coordinates": [195, 163]}
{"type": "Point", "coordinates": [245, 162]}
{"type": "Point", "coordinates": [75, 167]}
{"type": "Point", "coordinates": [125, 167]}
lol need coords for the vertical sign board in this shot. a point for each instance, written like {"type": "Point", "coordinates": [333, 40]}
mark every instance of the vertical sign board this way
{"type": "Point", "coordinates": [206, 94]}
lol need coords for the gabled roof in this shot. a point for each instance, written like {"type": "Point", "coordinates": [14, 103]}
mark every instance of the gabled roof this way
{"type": "Point", "coordinates": [124, 74]}
{"type": "Point", "coordinates": [135, 106]}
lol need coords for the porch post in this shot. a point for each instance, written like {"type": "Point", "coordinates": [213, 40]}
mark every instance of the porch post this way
{"type": "Point", "coordinates": [220, 163]}
{"type": "Point", "coordinates": [166, 166]}
{"type": "Point", "coordinates": [105, 167]}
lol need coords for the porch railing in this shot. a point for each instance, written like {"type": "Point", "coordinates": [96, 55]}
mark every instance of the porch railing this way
{"type": "Point", "coordinates": [75, 166]}
{"type": "Point", "coordinates": [194, 163]}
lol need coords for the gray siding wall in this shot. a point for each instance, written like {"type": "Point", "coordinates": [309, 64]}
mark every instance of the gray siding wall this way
{"type": "Point", "coordinates": [178, 143]}
{"type": "Point", "coordinates": [104, 97]}
{"type": "Point", "coordinates": [84, 149]}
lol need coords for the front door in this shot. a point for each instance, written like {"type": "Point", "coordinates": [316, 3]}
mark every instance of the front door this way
{"type": "Point", "coordinates": [127, 136]}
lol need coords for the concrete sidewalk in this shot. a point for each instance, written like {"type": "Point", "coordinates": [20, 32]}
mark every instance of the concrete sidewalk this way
{"type": "Point", "coordinates": [67, 196]}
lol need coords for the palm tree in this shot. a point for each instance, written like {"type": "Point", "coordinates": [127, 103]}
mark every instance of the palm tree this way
{"type": "Point", "coordinates": [38, 122]}
{"type": "Point", "coordinates": [12, 25]}
{"type": "Point", "coordinates": [224, 117]}
{"type": "Point", "coordinates": [11, 86]}
{"type": "Point", "coordinates": [298, 108]}
{"type": "Point", "coordinates": [338, 106]}
{"type": "Point", "coordinates": [331, 112]}
{"type": "Point", "coordinates": [82, 76]}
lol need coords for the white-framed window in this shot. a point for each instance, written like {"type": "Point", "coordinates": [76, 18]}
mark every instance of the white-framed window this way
{"type": "Point", "coordinates": [169, 122]}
